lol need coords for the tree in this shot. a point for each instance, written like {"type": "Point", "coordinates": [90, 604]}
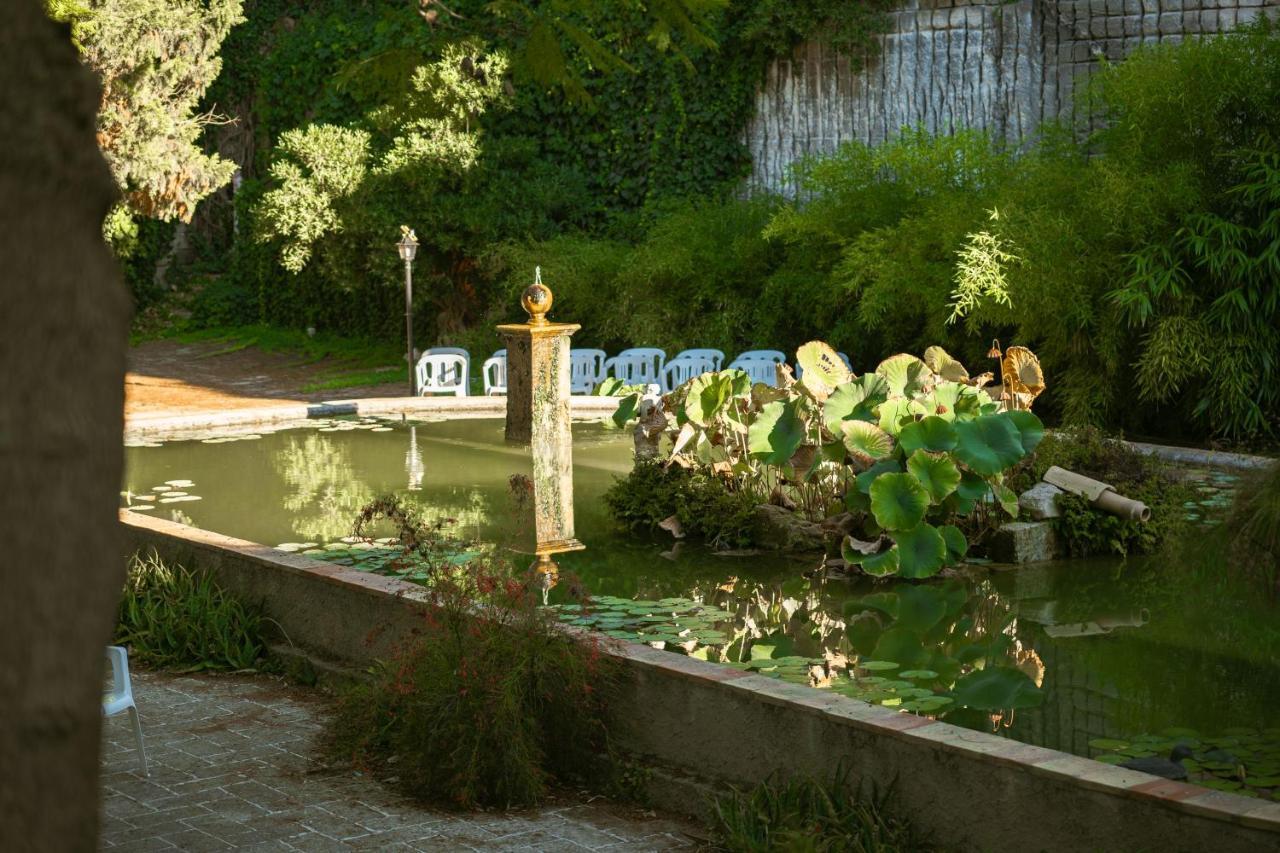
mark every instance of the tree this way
{"type": "Point", "coordinates": [156, 58]}
{"type": "Point", "coordinates": [65, 322]}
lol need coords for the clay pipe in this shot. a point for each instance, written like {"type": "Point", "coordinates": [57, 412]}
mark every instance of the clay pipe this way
{"type": "Point", "coordinates": [1101, 495]}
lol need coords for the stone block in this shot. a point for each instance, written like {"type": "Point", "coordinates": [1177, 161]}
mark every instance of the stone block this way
{"type": "Point", "coordinates": [1024, 542]}
{"type": "Point", "coordinates": [1115, 27]}
{"type": "Point", "coordinates": [1040, 502]}
{"type": "Point", "coordinates": [1132, 25]}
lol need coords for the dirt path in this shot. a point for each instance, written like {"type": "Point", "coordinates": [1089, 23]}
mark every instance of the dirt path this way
{"type": "Point", "coordinates": [169, 377]}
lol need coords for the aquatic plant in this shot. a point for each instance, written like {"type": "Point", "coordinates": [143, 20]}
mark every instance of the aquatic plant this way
{"type": "Point", "coordinates": [701, 504]}
{"type": "Point", "coordinates": [176, 618]}
{"type": "Point", "coordinates": [805, 814]}
{"type": "Point", "coordinates": [914, 449]}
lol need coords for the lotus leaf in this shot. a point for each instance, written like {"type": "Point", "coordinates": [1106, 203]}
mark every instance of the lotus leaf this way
{"type": "Point", "coordinates": [896, 413]}
{"type": "Point", "coordinates": [823, 368]}
{"type": "Point", "coordinates": [941, 363]}
{"type": "Point", "coordinates": [854, 551]}
{"type": "Point", "coordinates": [707, 396]}
{"type": "Point", "coordinates": [936, 472]}
{"type": "Point", "coordinates": [905, 375]}
{"type": "Point", "coordinates": [957, 545]}
{"type": "Point", "coordinates": [776, 433]}
{"type": "Point", "coordinates": [898, 501]}
{"type": "Point", "coordinates": [930, 433]}
{"type": "Point", "coordinates": [849, 402]}
{"type": "Point", "coordinates": [997, 688]}
{"type": "Point", "coordinates": [1030, 429]}
{"type": "Point", "coordinates": [866, 442]}
{"type": "Point", "coordinates": [628, 407]}
{"type": "Point", "coordinates": [1007, 498]}
{"type": "Point", "coordinates": [867, 477]}
{"type": "Point", "coordinates": [989, 444]}
{"type": "Point", "coordinates": [922, 551]}
{"type": "Point", "coordinates": [881, 565]}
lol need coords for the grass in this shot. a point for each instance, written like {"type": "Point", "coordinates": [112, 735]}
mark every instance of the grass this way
{"type": "Point", "coordinates": [803, 815]}
{"type": "Point", "coordinates": [359, 379]}
{"type": "Point", "coordinates": [176, 618]}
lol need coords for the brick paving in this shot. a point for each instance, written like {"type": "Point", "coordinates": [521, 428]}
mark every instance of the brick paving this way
{"type": "Point", "coordinates": [232, 766]}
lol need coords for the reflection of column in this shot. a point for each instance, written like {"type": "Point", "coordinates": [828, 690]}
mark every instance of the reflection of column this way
{"type": "Point", "coordinates": [413, 461]}
{"type": "Point", "coordinates": [538, 413]}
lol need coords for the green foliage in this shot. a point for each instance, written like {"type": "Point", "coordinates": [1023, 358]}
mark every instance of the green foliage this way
{"type": "Point", "coordinates": [803, 815]}
{"type": "Point", "coordinates": [489, 701]}
{"type": "Point", "coordinates": [835, 441]}
{"type": "Point", "coordinates": [704, 506]}
{"type": "Point", "coordinates": [1254, 526]}
{"type": "Point", "coordinates": [1089, 451]}
{"type": "Point", "coordinates": [156, 59]}
{"type": "Point", "coordinates": [173, 617]}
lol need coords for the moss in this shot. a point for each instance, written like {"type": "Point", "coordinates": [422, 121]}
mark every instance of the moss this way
{"type": "Point", "coordinates": [705, 506]}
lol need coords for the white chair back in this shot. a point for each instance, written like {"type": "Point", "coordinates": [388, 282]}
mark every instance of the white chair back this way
{"type": "Point", "coordinates": [776, 356]}
{"type": "Point", "coordinates": [637, 366]}
{"type": "Point", "coordinates": [443, 373]}
{"type": "Point", "coordinates": [586, 370]}
{"type": "Point", "coordinates": [716, 356]}
{"type": "Point", "coordinates": [494, 373]}
{"type": "Point", "coordinates": [680, 370]}
{"type": "Point", "coordinates": [762, 370]}
{"type": "Point", "coordinates": [120, 698]}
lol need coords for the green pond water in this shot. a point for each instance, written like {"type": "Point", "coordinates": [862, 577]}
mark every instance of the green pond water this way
{"type": "Point", "coordinates": [1106, 658]}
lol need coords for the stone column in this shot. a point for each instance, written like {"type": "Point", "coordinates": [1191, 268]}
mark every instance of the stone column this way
{"type": "Point", "coordinates": [538, 415]}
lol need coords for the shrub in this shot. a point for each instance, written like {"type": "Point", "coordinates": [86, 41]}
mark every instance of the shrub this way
{"type": "Point", "coordinates": [173, 617]}
{"type": "Point", "coordinates": [706, 507]}
{"type": "Point", "coordinates": [802, 814]}
{"type": "Point", "coordinates": [490, 700]}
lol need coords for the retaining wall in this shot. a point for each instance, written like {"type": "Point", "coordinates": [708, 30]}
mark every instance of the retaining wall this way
{"type": "Point", "coordinates": [702, 725]}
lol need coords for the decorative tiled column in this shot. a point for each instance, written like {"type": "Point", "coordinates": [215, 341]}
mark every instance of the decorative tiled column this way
{"type": "Point", "coordinates": [538, 414]}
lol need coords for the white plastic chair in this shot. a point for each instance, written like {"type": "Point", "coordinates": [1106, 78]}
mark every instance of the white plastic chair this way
{"type": "Point", "coordinates": [716, 356]}
{"type": "Point", "coordinates": [763, 370]}
{"type": "Point", "coordinates": [443, 373]}
{"type": "Point", "coordinates": [457, 351]}
{"type": "Point", "coordinates": [776, 356]}
{"type": "Point", "coordinates": [494, 373]}
{"type": "Point", "coordinates": [678, 371]}
{"type": "Point", "coordinates": [120, 698]}
{"type": "Point", "coordinates": [637, 366]}
{"type": "Point", "coordinates": [586, 369]}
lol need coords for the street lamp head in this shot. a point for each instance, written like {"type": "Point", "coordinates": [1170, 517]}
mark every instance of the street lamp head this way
{"type": "Point", "coordinates": [408, 245]}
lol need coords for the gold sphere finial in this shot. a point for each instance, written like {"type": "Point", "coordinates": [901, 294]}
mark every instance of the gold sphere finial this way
{"type": "Point", "coordinates": [537, 299]}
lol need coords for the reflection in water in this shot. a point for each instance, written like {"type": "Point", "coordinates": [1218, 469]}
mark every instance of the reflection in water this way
{"type": "Point", "coordinates": [1117, 647]}
{"type": "Point", "coordinates": [324, 494]}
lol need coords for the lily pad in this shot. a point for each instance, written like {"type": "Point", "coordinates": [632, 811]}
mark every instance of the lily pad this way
{"type": "Point", "coordinates": [877, 665]}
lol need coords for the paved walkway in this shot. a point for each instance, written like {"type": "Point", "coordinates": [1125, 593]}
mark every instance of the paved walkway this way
{"type": "Point", "coordinates": [232, 767]}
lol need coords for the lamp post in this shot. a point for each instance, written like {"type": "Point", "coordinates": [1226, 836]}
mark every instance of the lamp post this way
{"type": "Point", "coordinates": [408, 248]}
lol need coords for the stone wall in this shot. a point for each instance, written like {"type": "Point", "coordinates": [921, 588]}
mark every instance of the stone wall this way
{"type": "Point", "coordinates": [947, 64]}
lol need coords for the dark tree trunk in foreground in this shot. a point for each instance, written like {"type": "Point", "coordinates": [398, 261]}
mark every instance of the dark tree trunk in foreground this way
{"type": "Point", "coordinates": [63, 327]}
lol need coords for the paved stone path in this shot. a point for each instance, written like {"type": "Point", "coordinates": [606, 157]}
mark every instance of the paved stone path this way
{"type": "Point", "coordinates": [232, 767]}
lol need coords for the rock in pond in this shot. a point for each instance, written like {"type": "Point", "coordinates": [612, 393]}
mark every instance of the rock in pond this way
{"type": "Point", "coordinates": [1024, 542]}
{"type": "Point", "coordinates": [779, 529]}
{"type": "Point", "coordinates": [1040, 501]}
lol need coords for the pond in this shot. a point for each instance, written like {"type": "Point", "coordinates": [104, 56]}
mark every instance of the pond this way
{"type": "Point", "coordinates": [1106, 658]}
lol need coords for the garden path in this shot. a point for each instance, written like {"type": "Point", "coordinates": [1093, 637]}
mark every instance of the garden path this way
{"type": "Point", "coordinates": [232, 766]}
{"type": "Point", "coordinates": [169, 377]}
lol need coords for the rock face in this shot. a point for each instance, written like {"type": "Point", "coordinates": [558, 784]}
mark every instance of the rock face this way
{"type": "Point", "coordinates": [778, 529]}
{"type": "Point", "coordinates": [1001, 66]}
{"type": "Point", "coordinates": [1025, 542]}
{"type": "Point", "coordinates": [65, 322]}
{"type": "Point", "coordinates": [1040, 502]}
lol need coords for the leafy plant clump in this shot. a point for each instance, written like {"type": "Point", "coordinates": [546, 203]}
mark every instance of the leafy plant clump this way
{"type": "Point", "coordinates": [489, 701]}
{"type": "Point", "coordinates": [1254, 525]}
{"type": "Point", "coordinates": [916, 450]}
{"type": "Point", "coordinates": [703, 505]}
{"type": "Point", "coordinates": [1089, 451]}
{"type": "Point", "coordinates": [803, 814]}
{"type": "Point", "coordinates": [173, 617]}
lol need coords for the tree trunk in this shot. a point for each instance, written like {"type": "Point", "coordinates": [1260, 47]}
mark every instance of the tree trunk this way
{"type": "Point", "coordinates": [63, 326]}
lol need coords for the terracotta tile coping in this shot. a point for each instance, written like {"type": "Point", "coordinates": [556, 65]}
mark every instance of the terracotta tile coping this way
{"type": "Point", "coordinates": [803, 700]}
